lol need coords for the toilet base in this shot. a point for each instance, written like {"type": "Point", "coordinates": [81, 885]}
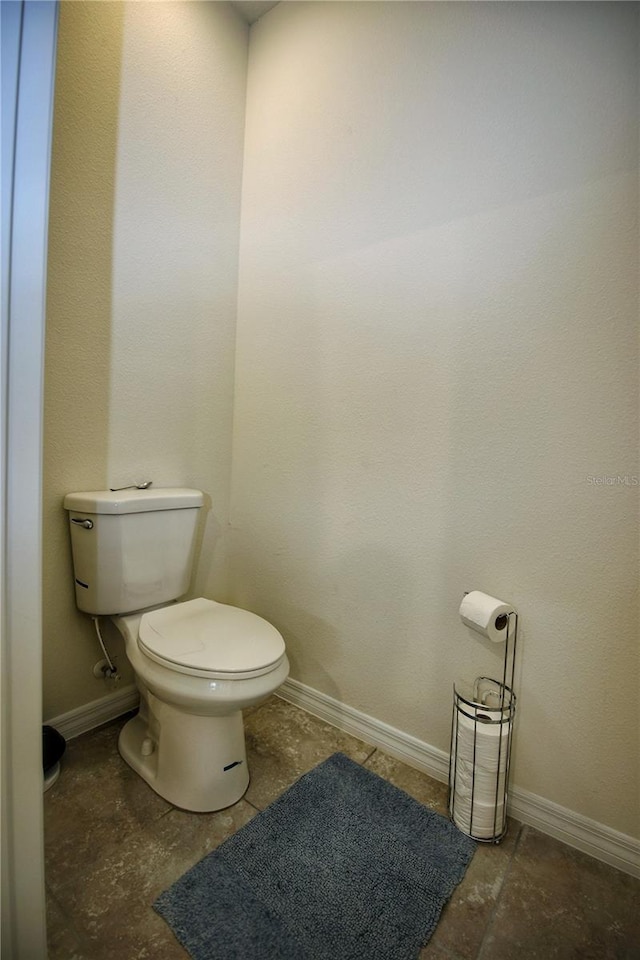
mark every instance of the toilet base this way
{"type": "Point", "coordinates": [196, 763]}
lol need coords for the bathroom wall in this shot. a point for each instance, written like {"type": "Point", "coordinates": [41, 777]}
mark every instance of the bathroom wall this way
{"type": "Point", "coordinates": [145, 199]}
{"type": "Point", "coordinates": [437, 370]}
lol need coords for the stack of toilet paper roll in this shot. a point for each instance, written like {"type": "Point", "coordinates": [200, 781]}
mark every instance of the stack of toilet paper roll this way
{"type": "Point", "coordinates": [480, 748]}
{"type": "Point", "coordinates": [485, 779]}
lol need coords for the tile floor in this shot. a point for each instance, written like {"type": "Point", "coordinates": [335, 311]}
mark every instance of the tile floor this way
{"type": "Point", "coordinates": [112, 845]}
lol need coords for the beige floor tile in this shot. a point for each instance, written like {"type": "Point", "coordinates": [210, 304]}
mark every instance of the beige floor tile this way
{"type": "Point", "coordinates": [97, 798]}
{"type": "Point", "coordinates": [559, 904]}
{"type": "Point", "coordinates": [418, 785]}
{"type": "Point", "coordinates": [434, 952]}
{"type": "Point", "coordinates": [466, 916]}
{"type": "Point", "coordinates": [62, 941]}
{"type": "Point", "coordinates": [113, 845]}
{"type": "Point", "coordinates": [284, 742]}
{"type": "Point", "coordinates": [110, 903]}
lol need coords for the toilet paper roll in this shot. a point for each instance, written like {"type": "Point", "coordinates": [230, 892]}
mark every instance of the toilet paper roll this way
{"type": "Point", "coordinates": [486, 817]}
{"type": "Point", "coordinates": [489, 791]}
{"type": "Point", "coordinates": [486, 615]}
{"type": "Point", "coordinates": [486, 824]}
{"type": "Point", "coordinates": [487, 743]}
{"type": "Point", "coordinates": [483, 812]}
{"type": "Point", "coordinates": [464, 778]}
{"type": "Point", "coordinates": [485, 730]}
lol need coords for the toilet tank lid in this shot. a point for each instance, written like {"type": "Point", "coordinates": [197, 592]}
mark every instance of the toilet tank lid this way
{"type": "Point", "coordinates": [133, 501]}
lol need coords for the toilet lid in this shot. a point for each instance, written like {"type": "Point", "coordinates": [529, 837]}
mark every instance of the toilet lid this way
{"type": "Point", "coordinates": [205, 637]}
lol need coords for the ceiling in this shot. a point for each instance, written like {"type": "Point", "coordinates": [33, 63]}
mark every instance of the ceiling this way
{"type": "Point", "coordinates": [252, 10]}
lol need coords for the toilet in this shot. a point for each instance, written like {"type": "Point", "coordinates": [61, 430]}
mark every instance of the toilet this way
{"type": "Point", "coordinates": [197, 663]}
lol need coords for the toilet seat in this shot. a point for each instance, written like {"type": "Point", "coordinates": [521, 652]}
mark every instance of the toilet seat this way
{"type": "Point", "coordinates": [204, 638]}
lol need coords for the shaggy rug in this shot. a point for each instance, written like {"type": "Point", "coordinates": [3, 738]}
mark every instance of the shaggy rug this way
{"type": "Point", "coordinates": [343, 866]}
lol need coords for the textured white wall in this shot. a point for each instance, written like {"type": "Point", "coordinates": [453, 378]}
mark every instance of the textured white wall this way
{"type": "Point", "coordinates": [437, 347]}
{"type": "Point", "coordinates": [145, 202]}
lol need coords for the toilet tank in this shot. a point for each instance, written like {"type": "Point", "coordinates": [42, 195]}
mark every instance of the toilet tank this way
{"type": "Point", "coordinates": [132, 548]}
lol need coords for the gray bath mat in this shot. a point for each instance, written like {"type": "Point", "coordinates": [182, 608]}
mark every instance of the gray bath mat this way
{"type": "Point", "coordinates": [343, 866]}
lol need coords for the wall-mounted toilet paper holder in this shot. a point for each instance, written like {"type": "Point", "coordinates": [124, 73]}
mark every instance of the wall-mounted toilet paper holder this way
{"type": "Point", "coordinates": [480, 755]}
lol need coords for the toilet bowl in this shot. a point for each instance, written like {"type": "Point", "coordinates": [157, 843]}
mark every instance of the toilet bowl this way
{"type": "Point", "coordinates": [197, 664]}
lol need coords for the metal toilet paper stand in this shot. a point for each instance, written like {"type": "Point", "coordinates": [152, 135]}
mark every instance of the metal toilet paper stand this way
{"type": "Point", "coordinates": [481, 731]}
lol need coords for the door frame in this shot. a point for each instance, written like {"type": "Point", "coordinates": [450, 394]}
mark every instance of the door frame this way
{"type": "Point", "coordinates": [29, 31]}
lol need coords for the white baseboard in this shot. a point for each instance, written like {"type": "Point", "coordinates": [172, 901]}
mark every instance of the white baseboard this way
{"type": "Point", "coordinates": [394, 742]}
{"type": "Point", "coordinates": [91, 715]}
{"type": "Point", "coordinates": [599, 841]}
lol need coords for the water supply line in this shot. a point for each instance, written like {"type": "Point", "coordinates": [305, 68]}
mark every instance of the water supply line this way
{"type": "Point", "coordinates": [110, 672]}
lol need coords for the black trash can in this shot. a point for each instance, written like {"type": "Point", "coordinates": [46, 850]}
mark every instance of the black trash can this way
{"type": "Point", "coordinates": [53, 747]}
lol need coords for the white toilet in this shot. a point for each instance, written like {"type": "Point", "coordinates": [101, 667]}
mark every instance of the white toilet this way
{"type": "Point", "coordinates": [198, 664]}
